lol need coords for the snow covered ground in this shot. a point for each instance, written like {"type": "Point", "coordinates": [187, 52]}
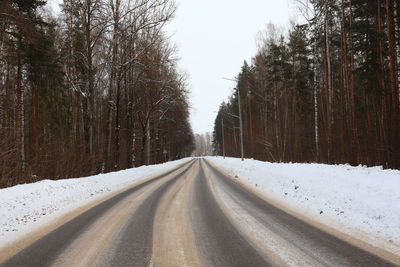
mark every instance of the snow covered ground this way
{"type": "Point", "coordinates": [353, 200]}
{"type": "Point", "coordinates": [27, 207]}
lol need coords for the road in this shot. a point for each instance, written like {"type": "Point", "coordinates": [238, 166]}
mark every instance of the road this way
{"type": "Point", "coordinates": [191, 216]}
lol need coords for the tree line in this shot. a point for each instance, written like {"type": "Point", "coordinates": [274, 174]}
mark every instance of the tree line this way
{"type": "Point", "coordinates": [96, 90]}
{"type": "Point", "coordinates": [324, 91]}
{"type": "Point", "coordinates": [203, 145]}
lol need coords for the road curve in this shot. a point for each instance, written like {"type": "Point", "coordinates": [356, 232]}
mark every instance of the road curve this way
{"type": "Point", "coordinates": [191, 216]}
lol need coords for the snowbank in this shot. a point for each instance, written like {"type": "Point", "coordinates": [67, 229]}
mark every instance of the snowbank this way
{"type": "Point", "coordinates": [27, 207]}
{"type": "Point", "coordinates": [353, 200]}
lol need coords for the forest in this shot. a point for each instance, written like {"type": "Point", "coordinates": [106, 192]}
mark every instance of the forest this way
{"type": "Point", "coordinates": [95, 89]}
{"type": "Point", "coordinates": [326, 90]}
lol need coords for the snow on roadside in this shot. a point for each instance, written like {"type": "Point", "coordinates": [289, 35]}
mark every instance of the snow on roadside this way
{"type": "Point", "coordinates": [353, 200]}
{"type": "Point", "coordinates": [27, 207]}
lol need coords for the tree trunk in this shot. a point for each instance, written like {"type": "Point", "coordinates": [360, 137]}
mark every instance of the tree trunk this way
{"type": "Point", "coordinates": [89, 101]}
{"type": "Point", "coordinates": [394, 82]}
{"type": "Point", "coordinates": [20, 115]}
{"type": "Point", "coordinates": [148, 143]}
{"type": "Point", "coordinates": [328, 77]}
{"type": "Point", "coordinates": [116, 84]}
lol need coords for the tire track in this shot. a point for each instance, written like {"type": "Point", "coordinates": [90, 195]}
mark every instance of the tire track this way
{"type": "Point", "coordinates": [173, 242]}
{"type": "Point", "coordinates": [133, 246]}
{"type": "Point", "coordinates": [219, 243]}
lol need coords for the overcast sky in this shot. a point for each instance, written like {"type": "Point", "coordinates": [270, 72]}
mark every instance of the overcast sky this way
{"type": "Point", "coordinates": [214, 37]}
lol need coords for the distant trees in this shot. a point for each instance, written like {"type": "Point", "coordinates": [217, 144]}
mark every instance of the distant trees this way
{"type": "Point", "coordinates": [97, 90]}
{"type": "Point", "coordinates": [203, 145]}
{"type": "Point", "coordinates": [328, 91]}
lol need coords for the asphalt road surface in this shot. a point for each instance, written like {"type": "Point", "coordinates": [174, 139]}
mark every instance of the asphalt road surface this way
{"type": "Point", "coordinates": [191, 216]}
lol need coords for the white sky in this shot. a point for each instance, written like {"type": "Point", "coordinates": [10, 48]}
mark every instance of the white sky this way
{"type": "Point", "coordinates": [214, 37]}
